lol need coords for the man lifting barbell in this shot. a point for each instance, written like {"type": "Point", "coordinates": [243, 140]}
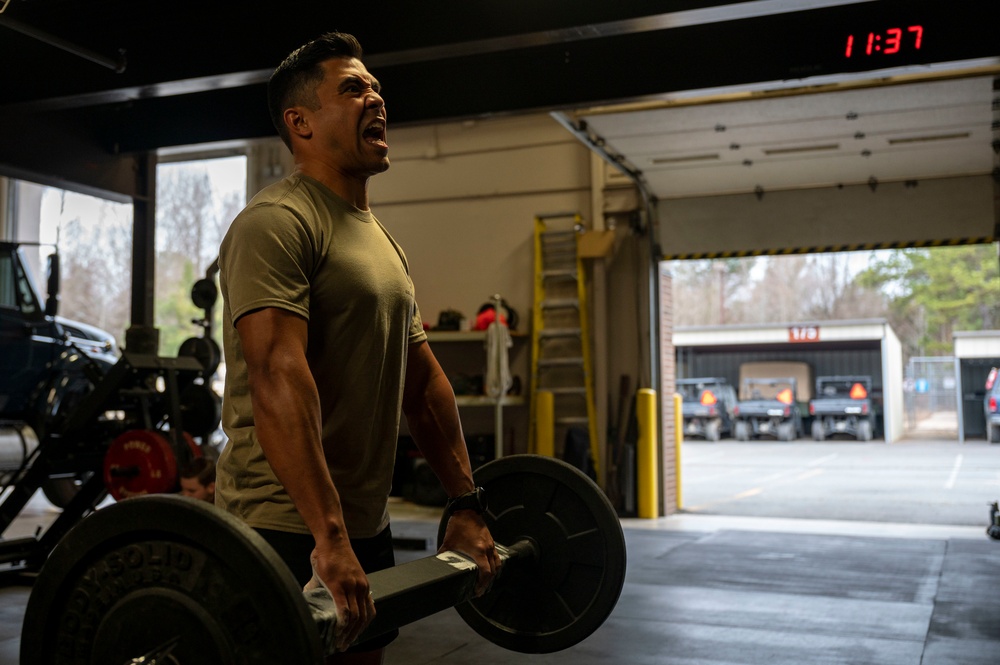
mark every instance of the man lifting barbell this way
{"type": "Point", "coordinates": [324, 346]}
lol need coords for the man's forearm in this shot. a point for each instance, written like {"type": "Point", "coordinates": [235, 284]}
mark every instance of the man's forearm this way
{"type": "Point", "coordinates": [432, 416]}
{"type": "Point", "coordinates": [437, 432]}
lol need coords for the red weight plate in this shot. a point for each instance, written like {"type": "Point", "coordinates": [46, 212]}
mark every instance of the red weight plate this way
{"type": "Point", "coordinates": [139, 462]}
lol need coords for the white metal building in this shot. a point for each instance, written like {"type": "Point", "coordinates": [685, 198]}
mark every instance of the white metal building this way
{"type": "Point", "coordinates": [976, 352]}
{"type": "Point", "coordinates": [867, 346]}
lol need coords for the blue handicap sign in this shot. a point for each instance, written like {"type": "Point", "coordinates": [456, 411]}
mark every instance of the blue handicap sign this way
{"type": "Point", "coordinates": [922, 386]}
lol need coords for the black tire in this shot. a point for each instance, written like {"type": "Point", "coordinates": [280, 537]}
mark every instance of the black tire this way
{"type": "Point", "coordinates": [818, 431]}
{"type": "Point", "coordinates": [713, 430]}
{"type": "Point", "coordinates": [741, 431]}
{"type": "Point", "coordinates": [864, 430]}
{"type": "Point", "coordinates": [993, 433]}
{"type": "Point", "coordinates": [786, 431]}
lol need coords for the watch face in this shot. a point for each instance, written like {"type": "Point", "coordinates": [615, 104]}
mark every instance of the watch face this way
{"type": "Point", "coordinates": [481, 500]}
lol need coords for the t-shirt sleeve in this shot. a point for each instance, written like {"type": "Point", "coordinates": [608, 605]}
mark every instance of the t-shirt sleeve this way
{"type": "Point", "coordinates": [417, 333]}
{"type": "Point", "coordinates": [266, 260]}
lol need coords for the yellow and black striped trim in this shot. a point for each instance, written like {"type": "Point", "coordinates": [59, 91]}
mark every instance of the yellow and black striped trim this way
{"type": "Point", "coordinates": [861, 247]}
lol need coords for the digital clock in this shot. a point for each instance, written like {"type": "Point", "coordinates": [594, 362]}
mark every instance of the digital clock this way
{"type": "Point", "coordinates": [892, 40]}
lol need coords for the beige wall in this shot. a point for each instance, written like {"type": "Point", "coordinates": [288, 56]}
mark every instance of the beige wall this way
{"type": "Point", "coordinates": [461, 199]}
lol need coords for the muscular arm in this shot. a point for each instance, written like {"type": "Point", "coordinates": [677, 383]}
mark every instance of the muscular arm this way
{"type": "Point", "coordinates": [286, 415]}
{"type": "Point", "coordinates": [432, 416]}
{"type": "Point", "coordinates": [287, 420]}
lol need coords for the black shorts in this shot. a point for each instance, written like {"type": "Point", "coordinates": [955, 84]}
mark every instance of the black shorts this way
{"type": "Point", "coordinates": [373, 553]}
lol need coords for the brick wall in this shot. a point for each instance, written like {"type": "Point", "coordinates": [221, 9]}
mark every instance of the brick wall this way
{"type": "Point", "coordinates": [668, 374]}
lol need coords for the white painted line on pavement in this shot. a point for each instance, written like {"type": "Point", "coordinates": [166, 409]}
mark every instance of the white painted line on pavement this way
{"type": "Point", "coordinates": [712, 478]}
{"type": "Point", "coordinates": [950, 484]}
{"type": "Point", "coordinates": [791, 472]}
{"type": "Point", "coordinates": [823, 460]}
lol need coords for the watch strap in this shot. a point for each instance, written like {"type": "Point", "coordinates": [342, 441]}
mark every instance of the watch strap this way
{"type": "Point", "coordinates": [474, 500]}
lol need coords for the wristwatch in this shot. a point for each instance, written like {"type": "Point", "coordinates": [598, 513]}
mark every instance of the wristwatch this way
{"type": "Point", "coordinates": [474, 500]}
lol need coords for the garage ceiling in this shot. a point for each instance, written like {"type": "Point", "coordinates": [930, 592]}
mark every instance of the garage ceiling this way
{"type": "Point", "coordinates": [89, 87]}
{"type": "Point", "coordinates": [875, 134]}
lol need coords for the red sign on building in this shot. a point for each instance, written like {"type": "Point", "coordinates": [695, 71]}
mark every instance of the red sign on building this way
{"type": "Point", "coordinates": [803, 334]}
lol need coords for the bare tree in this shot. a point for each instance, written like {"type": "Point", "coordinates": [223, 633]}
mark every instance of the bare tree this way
{"type": "Point", "coordinates": [97, 271]}
{"type": "Point", "coordinates": [190, 224]}
{"type": "Point", "coordinates": [772, 289]}
{"type": "Point", "coordinates": [184, 203]}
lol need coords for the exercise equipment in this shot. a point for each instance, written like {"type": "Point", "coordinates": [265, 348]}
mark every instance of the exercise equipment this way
{"type": "Point", "coordinates": [141, 462]}
{"type": "Point", "coordinates": [205, 350]}
{"type": "Point", "coordinates": [140, 392]}
{"type": "Point", "coordinates": [171, 579]}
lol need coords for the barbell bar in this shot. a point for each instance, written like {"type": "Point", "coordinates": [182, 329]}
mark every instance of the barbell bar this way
{"type": "Point", "coordinates": [164, 578]}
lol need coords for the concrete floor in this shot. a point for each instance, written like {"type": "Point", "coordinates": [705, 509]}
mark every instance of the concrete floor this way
{"type": "Point", "coordinates": [733, 596]}
{"type": "Point", "coordinates": [710, 589]}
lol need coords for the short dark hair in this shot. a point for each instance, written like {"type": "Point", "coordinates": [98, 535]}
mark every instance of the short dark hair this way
{"type": "Point", "coordinates": [294, 82]}
{"type": "Point", "coordinates": [201, 468]}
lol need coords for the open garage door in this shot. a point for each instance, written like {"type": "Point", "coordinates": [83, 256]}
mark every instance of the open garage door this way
{"type": "Point", "coordinates": [906, 164]}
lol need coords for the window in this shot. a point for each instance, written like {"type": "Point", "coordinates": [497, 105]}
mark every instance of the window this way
{"type": "Point", "coordinates": [196, 201]}
{"type": "Point", "coordinates": [94, 239]}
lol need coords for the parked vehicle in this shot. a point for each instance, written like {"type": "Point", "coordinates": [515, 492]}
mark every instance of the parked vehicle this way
{"type": "Point", "coordinates": [770, 410]}
{"type": "Point", "coordinates": [842, 405]}
{"type": "Point", "coordinates": [37, 376]}
{"type": "Point", "coordinates": [708, 407]}
{"type": "Point", "coordinates": [991, 407]}
{"type": "Point", "coordinates": [772, 400]}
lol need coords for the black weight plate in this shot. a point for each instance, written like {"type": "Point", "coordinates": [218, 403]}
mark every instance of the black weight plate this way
{"type": "Point", "coordinates": [166, 574]}
{"type": "Point", "coordinates": [564, 597]}
{"type": "Point", "coordinates": [203, 349]}
{"type": "Point", "coordinates": [201, 409]}
{"type": "Point", "coordinates": [204, 293]}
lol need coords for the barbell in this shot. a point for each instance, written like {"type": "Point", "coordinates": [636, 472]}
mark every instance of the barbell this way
{"type": "Point", "coordinates": [167, 579]}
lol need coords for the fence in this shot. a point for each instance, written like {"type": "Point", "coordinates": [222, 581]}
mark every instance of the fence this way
{"type": "Point", "coordinates": [930, 397]}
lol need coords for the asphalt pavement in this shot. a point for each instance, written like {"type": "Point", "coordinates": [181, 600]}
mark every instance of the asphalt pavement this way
{"type": "Point", "coordinates": [915, 481]}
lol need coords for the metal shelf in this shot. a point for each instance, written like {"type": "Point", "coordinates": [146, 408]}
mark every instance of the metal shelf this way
{"type": "Point", "coordinates": [485, 400]}
{"type": "Point", "coordinates": [464, 335]}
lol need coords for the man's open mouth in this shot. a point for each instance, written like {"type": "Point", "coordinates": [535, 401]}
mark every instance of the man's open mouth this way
{"type": "Point", "coordinates": [374, 133]}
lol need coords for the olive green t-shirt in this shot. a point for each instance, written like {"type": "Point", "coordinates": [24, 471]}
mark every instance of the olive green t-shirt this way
{"type": "Point", "coordinates": [299, 247]}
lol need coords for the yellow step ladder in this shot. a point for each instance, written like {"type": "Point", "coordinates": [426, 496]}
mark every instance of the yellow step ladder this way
{"type": "Point", "coordinates": [561, 368]}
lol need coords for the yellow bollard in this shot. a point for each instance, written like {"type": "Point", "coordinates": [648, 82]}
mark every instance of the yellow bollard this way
{"type": "Point", "coordinates": [545, 423]}
{"type": "Point", "coordinates": [646, 458]}
{"type": "Point", "coordinates": [678, 440]}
